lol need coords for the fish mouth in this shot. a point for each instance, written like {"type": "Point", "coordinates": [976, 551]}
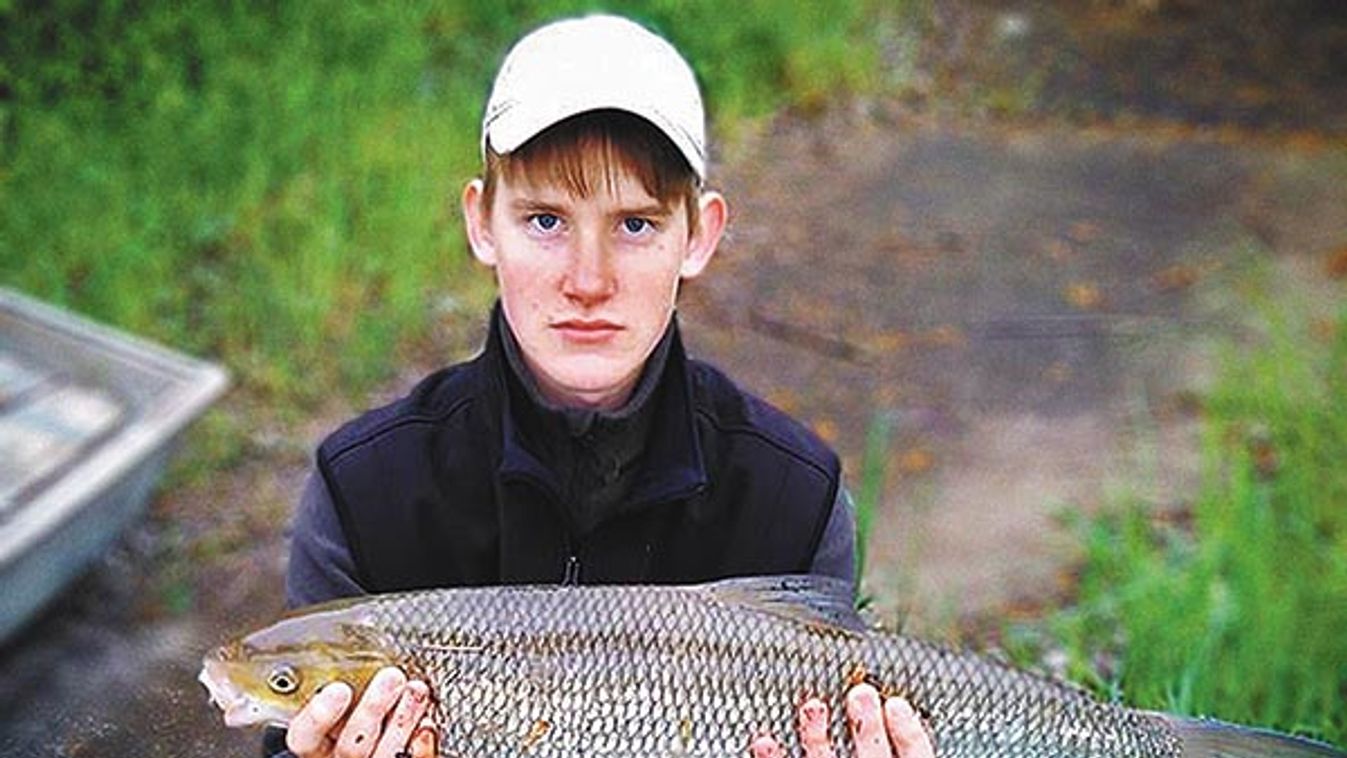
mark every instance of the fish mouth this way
{"type": "Point", "coordinates": [239, 709]}
{"type": "Point", "coordinates": [223, 694]}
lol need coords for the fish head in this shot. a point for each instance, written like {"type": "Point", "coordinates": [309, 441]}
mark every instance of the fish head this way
{"type": "Point", "coordinates": [266, 677]}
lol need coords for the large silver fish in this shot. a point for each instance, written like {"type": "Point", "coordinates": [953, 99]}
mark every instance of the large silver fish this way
{"type": "Point", "coordinates": [566, 672]}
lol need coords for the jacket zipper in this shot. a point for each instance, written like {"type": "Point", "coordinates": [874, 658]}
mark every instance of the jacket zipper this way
{"type": "Point", "coordinates": [571, 572]}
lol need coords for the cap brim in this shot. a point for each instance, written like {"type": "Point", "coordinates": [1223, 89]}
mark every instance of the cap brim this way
{"type": "Point", "coordinates": [509, 130]}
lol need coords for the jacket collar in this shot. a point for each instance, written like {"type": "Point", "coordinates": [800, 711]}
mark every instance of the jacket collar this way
{"type": "Point", "coordinates": [672, 466]}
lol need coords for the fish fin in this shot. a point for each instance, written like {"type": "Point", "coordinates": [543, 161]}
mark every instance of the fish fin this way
{"type": "Point", "coordinates": [361, 635]}
{"type": "Point", "coordinates": [823, 602]}
{"type": "Point", "coordinates": [339, 604]}
{"type": "Point", "coordinates": [1208, 738]}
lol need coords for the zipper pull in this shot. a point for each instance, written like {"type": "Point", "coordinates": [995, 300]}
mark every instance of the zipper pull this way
{"type": "Point", "coordinates": [572, 572]}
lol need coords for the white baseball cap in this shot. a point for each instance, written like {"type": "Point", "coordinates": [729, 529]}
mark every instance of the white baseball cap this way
{"type": "Point", "coordinates": [596, 62]}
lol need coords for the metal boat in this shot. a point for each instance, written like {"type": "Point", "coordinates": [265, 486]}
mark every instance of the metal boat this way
{"type": "Point", "coordinates": [88, 418]}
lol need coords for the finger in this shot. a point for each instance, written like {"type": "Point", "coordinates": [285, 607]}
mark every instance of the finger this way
{"type": "Point", "coordinates": [308, 731]}
{"type": "Point", "coordinates": [411, 705]}
{"type": "Point", "coordinates": [905, 730]}
{"type": "Point", "coordinates": [423, 741]}
{"type": "Point", "coordinates": [814, 730]}
{"type": "Point", "coordinates": [362, 728]}
{"type": "Point", "coordinates": [765, 746]}
{"type": "Point", "coordinates": [867, 723]}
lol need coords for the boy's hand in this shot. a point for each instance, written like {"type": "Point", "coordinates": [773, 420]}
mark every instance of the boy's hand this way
{"type": "Point", "coordinates": [381, 725]}
{"type": "Point", "coordinates": [890, 731]}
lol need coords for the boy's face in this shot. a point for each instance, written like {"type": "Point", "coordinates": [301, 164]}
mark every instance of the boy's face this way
{"type": "Point", "coordinates": [588, 284]}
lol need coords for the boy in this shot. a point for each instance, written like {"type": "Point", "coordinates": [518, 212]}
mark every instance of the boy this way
{"type": "Point", "coordinates": [581, 445]}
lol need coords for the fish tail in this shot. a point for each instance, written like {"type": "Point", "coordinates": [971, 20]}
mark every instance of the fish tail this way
{"type": "Point", "coordinates": [1206, 738]}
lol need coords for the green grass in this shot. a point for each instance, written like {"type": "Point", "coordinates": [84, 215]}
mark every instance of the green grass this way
{"type": "Point", "coordinates": [1239, 612]}
{"type": "Point", "coordinates": [870, 494]}
{"type": "Point", "coordinates": [276, 186]}
{"type": "Point", "coordinates": [267, 188]}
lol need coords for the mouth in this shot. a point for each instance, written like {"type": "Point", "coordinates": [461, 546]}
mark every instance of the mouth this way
{"type": "Point", "coordinates": [223, 694]}
{"type": "Point", "coordinates": [587, 330]}
{"type": "Point", "coordinates": [239, 709]}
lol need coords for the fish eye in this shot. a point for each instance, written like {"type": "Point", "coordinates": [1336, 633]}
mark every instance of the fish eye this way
{"type": "Point", "coordinates": [283, 679]}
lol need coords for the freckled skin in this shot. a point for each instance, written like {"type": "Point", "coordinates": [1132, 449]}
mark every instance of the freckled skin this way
{"type": "Point", "coordinates": [588, 284]}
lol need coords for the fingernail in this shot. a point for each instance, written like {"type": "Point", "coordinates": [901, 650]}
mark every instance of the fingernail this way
{"type": "Point", "coordinates": [899, 708]}
{"type": "Point", "coordinates": [863, 695]}
{"type": "Point", "coordinates": [335, 694]}
{"type": "Point", "coordinates": [389, 679]}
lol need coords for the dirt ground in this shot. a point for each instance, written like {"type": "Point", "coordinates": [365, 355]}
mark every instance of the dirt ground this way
{"type": "Point", "coordinates": [1032, 310]}
{"type": "Point", "coordinates": [1020, 263]}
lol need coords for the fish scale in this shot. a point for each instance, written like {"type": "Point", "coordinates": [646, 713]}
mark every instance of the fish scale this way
{"type": "Point", "coordinates": [689, 672]}
{"type": "Point", "coordinates": [667, 671]}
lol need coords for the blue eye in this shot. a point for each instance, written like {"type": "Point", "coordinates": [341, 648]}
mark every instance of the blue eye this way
{"type": "Point", "coordinates": [544, 222]}
{"type": "Point", "coordinates": [636, 225]}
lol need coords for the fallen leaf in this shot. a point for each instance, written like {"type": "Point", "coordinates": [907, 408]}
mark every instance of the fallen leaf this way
{"type": "Point", "coordinates": [886, 342]}
{"type": "Point", "coordinates": [915, 461]}
{"type": "Point", "coordinates": [784, 398]}
{"type": "Point", "coordinates": [1337, 263]}
{"type": "Point", "coordinates": [1266, 460]}
{"type": "Point", "coordinates": [1180, 276]}
{"type": "Point", "coordinates": [826, 429]}
{"type": "Point", "coordinates": [1324, 329]}
{"type": "Point", "coordinates": [1179, 405]}
{"type": "Point", "coordinates": [1084, 295]}
{"type": "Point", "coordinates": [1307, 140]}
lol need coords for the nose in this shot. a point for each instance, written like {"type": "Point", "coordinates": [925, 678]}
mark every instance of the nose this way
{"type": "Point", "coordinates": [590, 277]}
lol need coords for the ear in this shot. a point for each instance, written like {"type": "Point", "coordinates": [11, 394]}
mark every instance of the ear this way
{"type": "Point", "coordinates": [476, 222]}
{"type": "Point", "coordinates": [713, 213]}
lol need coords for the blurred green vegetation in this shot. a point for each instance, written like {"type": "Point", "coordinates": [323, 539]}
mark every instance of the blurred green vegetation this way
{"type": "Point", "coordinates": [1238, 607]}
{"type": "Point", "coordinates": [275, 185]}
{"type": "Point", "coordinates": [869, 496]}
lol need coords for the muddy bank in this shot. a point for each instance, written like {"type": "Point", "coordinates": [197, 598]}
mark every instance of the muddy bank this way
{"type": "Point", "coordinates": [1032, 310]}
